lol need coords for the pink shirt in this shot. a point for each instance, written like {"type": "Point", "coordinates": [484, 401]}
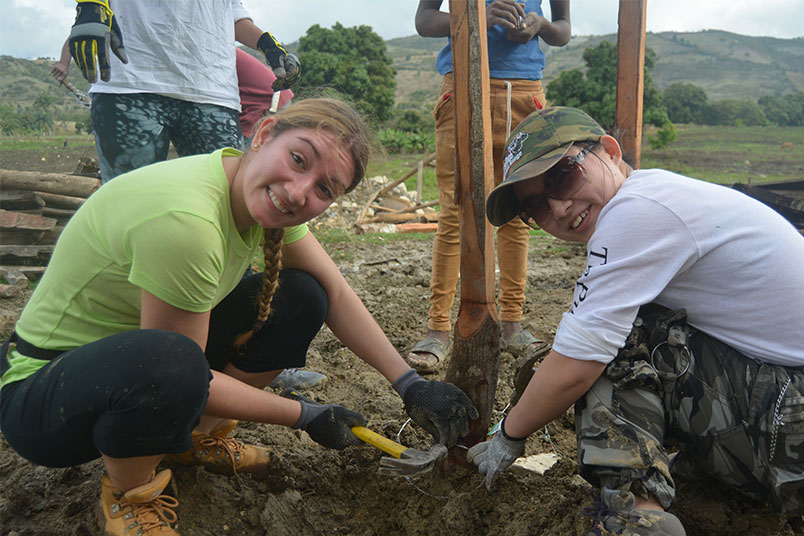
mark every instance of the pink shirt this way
{"type": "Point", "coordinates": [254, 79]}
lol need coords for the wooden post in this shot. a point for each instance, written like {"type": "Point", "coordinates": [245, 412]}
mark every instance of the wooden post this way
{"type": "Point", "coordinates": [419, 178]}
{"type": "Point", "coordinates": [475, 358]}
{"type": "Point", "coordinates": [631, 74]}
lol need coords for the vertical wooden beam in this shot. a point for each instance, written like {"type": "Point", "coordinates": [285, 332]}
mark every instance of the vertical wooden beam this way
{"type": "Point", "coordinates": [631, 74]}
{"type": "Point", "coordinates": [475, 358]}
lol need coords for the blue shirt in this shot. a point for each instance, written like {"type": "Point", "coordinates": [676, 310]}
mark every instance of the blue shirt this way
{"type": "Point", "coordinates": [507, 59]}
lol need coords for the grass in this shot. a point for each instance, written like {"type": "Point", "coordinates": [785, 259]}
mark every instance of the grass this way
{"type": "Point", "coordinates": [340, 236]}
{"type": "Point", "coordinates": [727, 155]}
{"type": "Point", "coordinates": [41, 143]}
{"type": "Point", "coordinates": [394, 166]}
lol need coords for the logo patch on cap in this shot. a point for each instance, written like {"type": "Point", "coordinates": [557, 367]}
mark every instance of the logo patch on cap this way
{"type": "Point", "coordinates": [513, 152]}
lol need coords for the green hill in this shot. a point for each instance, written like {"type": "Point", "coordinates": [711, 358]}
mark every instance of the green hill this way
{"type": "Point", "coordinates": [22, 81]}
{"type": "Point", "coordinates": [724, 64]}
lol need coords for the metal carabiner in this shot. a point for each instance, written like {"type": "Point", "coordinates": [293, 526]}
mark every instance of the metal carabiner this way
{"type": "Point", "coordinates": [676, 340]}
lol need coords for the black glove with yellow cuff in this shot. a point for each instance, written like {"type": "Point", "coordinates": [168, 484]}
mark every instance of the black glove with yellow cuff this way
{"type": "Point", "coordinates": [286, 67]}
{"type": "Point", "coordinates": [94, 33]}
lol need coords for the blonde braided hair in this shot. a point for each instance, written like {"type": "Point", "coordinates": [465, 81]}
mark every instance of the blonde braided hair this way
{"type": "Point", "coordinates": [272, 252]}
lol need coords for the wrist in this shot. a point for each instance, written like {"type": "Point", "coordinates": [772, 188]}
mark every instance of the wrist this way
{"type": "Point", "coordinates": [308, 413]}
{"type": "Point", "coordinates": [403, 383]}
{"type": "Point", "coordinates": [266, 43]}
{"type": "Point", "coordinates": [508, 437]}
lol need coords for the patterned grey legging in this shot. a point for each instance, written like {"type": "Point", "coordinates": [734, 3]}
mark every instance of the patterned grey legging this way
{"type": "Point", "coordinates": [135, 129]}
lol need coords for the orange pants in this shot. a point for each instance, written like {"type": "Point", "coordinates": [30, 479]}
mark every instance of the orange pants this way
{"type": "Point", "coordinates": [512, 238]}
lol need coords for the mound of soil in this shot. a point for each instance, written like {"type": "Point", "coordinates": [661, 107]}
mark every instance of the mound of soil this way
{"type": "Point", "coordinates": [314, 491]}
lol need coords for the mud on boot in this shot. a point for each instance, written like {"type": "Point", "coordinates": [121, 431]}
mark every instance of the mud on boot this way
{"type": "Point", "coordinates": [141, 511]}
{"type": "Point", "coordinates": [615, 514]}
{"type": "Point", "coordinates": [221, 453]}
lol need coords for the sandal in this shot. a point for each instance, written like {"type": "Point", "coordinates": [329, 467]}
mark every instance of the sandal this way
{"type": "Point", "coordinates": [421, 357]}
{"type": "Point", "coordinates": [521, 341]}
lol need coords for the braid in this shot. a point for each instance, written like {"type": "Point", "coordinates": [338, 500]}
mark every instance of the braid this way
{"type": "Point", "coordinates": [272, 251]}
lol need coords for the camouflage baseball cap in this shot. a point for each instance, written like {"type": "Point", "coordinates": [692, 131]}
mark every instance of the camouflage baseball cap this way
{"type": "Point", "coordinates": [540, 140]}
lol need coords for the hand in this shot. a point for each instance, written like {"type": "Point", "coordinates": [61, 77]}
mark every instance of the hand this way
{"type": "Point", "coordinates": [527, 30]}
{"type": "Point", "coordinates": [494, 456]}
{"type": "Point", "coordinates": [506, 13]}
{"type": "Point", "coordinates": [286, 67]}
{"type": "Point", "coordinates": [94, 33]}
{"type": "Point", "coordinates": [440, 408]}
{"type": "Point", "coordinates": [59, 71]}
{"type": "Point", "coordinates": [329, 425]}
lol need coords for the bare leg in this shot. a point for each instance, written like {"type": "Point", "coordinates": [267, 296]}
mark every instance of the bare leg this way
{"type": "Point", "coordinates": [128, 473]}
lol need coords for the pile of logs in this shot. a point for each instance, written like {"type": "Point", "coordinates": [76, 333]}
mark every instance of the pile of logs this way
{"type": "Point", "coordinates": [34, 207]}
{"type": "Point", "coordinates": [385, 206]}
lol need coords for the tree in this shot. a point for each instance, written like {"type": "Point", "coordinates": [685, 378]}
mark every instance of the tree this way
{"type": "Point", "coordinates": [596, 91]}
{"type": "Point", "coordinates": [413, 121]}
{"type": "Point", "coordinates": [722, 112]}
{"type": "Point", "coordinates": [664, 137]}
{"type": "Point", "coordinates": [749, 113]}
{"type": "Point", "coordinates": [353, 61]}
{"type": "Point", "coordinates": [685, 103]}
{"type": "Point", "coordinates": [784, 111]}
{"type": "Point", "coordinates": [734, 113]}
{"type": "Point", "coordinates": [36, 119]}
{"type": "Point", "coordinates": [44, 101]}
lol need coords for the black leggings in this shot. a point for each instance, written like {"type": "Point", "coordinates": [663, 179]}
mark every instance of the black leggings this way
{"type": "Point", "coordinates": [142, 392]}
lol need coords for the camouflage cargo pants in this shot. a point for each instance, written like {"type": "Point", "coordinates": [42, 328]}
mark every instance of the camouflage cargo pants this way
{"type": "Point", "coordinates": [731, 417]}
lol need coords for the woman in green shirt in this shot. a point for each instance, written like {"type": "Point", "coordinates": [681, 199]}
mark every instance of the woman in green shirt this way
{"type": "Point", "coordinates": [143, 340]}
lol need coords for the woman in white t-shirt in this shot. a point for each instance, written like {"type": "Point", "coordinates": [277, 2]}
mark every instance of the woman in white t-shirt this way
{"type": "Point", "coordinates": [685, 328]}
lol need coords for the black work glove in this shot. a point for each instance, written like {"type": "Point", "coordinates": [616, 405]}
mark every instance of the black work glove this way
{"type": "Point", "coordinates": [439, 407]}
{"type": "Point", "coordinates": [94, 33]}
{"type": "Point", "coordinates": [286, 67]}
{"type": "Point", "coordinates": [329, 425]}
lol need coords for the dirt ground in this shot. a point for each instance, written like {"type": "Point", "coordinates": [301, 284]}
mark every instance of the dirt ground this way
{"type": "Point", "coordinates": [314, 491]}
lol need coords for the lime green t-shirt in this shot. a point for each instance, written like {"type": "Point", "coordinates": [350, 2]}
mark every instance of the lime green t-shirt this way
{"type": "Point", "coordinates": [166, 228]}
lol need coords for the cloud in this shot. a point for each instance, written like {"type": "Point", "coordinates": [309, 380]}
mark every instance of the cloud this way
{"type": "Point", "coordinates": [777, 18]}
{"type": "Point", "coordinates": [290, 20]}
{"type": "Point", "coordinates": [32, 29]}
{"type": "Point", "coordinates": [35, 28]}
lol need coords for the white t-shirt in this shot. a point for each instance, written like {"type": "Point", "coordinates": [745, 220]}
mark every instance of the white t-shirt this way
{"type": "Point", "coordinates": [734, 264]}
{"type": "Point", "coordinates": [183, 49]}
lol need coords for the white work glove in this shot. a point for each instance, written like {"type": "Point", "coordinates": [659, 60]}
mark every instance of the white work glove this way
{"type": "Point", "coordinates": [494, 456]}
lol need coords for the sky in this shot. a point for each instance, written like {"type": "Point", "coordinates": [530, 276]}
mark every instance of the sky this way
{"type": "Point", "coordinates": [37, 28]}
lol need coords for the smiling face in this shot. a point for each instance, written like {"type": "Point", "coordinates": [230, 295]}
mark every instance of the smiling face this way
{"type": "Point", "coordinates": [290, 178]}
{"type": "Point", "coordinates": [574, 218]}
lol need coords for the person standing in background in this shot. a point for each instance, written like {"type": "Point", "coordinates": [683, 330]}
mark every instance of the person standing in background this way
{"type": "Point", "coordinates": [62, 67]}
{"type": "Point", "coordinates": [166, 85]}
{"type": "Point", "coordinates": [254, 82]}
{"type": "Point", "coordinates": [516, 63]}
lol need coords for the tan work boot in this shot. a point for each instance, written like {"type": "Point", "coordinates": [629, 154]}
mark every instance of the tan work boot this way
{"type": "Point", "coordinates": [139, 511]}
{"type": "Point", "coordinates": [221, 453]}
